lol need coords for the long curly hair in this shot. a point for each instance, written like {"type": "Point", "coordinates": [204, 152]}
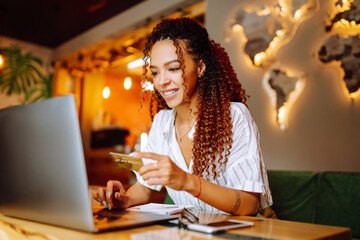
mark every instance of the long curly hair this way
{"type": "Point", "coordinates": [218, 87]}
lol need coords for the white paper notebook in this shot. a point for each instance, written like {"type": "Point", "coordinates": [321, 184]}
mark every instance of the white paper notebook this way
{"type": "Point", "coordinates": [160, 208]}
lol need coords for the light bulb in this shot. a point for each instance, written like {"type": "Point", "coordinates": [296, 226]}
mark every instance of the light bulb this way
{"type": "Point", "coordinates": [127, 83]}
{"type": "Point", "coordinates": [106, 92]}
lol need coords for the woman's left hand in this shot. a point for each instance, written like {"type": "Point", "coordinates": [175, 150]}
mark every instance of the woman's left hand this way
{"type": "Point", "coordinates": [164, 172]}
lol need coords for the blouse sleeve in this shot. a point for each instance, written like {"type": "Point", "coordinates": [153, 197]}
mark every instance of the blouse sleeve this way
{"type": "Point", "coordinates": [151, 146]}
{"type": "Point", "coordinates": [245, 169]}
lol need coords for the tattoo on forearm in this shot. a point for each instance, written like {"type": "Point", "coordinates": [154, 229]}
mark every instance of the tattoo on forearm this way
{"type": "Point", "coordinates": [237, 203]}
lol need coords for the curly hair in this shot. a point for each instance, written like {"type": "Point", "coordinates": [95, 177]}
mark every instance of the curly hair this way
{"type": "Point", "coordinates": [218, 87]}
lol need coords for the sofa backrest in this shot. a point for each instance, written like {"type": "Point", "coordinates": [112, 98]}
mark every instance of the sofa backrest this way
{"type": "Point", "coordinates": [329, 198]}
{"type": "Point", "coordinates": [294, 195]}
{"type": "Point", "coordinates": [339, 200]}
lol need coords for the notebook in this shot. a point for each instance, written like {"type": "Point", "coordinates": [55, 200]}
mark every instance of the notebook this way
{"type": "Point", "coordinates": [42, 170]}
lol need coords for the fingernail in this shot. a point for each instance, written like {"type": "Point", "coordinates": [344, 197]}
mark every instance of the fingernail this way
{"type": "Point", "coordinates": [117, 195]}
{"type": "Point", "coordinates": [109, 207]}
{"type": "Point", "coordinates": [104, 203]}
{"type": "Point", "coordinates": [108, 193]}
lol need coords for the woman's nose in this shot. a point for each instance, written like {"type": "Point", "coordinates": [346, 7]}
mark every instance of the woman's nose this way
{"type": "Point", "coordinates": [163, 79]}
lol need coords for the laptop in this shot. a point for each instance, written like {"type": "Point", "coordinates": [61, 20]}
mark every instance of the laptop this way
{"type": "Point", "coordinates": [42, 170]}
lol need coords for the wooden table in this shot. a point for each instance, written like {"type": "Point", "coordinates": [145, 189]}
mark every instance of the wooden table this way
{"type": "Point", "coordinates": [262, 229]}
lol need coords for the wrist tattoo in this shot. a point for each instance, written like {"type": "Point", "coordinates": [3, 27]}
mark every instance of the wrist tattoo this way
{"type": "Point", "coordinates": [237, 203]}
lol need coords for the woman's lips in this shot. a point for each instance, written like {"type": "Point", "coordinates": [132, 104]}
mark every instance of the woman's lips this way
{"type": "Point", "coordinates": [170, 93]}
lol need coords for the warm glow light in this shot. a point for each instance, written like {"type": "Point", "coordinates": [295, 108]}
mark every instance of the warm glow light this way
{"type": "Point", "coordinates": [264, 12]}
{"type": "Point", "coordinates": [297, 14]}
{"type": "Point", "coordinates": [106, 92]}
{"type": "Point", "coordinates": [355, 94]}
{"type": "Point", "coordinates": [344, 6]}
{"type": "Point", "coordinates": [285, 109]}
{"type": "Point", "coordinates": [283, 6]}
{"type": "Point", "coordinates": [282, 115]}
{"type": "Point", "coordinates": [1, 61]}
{"type": "Point", "coordinates": [137, 63]}
{"type": "Point", "coordinates": [259, 57]}
{"type": "Point", "coordinates": [237, 28]}
{"type": "Point", "coordinates": [280, 32]}
{"type": "Point", "coordinates": [127, 83]}
{"type": "Point", "coordinates": [345, 28]}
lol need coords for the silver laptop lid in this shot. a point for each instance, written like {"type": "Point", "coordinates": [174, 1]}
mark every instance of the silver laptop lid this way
{"type": "Point", "coordinates": [42, 169]}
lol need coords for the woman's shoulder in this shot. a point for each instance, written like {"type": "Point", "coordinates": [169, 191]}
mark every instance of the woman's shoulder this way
{"type": "Point", "coordinates": [238, 108]}
{"type": "Point", "coordinates": [240, 113]}
{"type": "Point", "coordinates": [164, 115]}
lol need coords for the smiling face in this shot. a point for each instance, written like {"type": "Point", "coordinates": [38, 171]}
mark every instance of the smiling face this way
{"type": "Point", "coordinates": [169, 80]}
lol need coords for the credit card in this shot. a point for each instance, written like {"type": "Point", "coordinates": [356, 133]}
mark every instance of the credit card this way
{"type": "Point", "coordinates": [126, 161]}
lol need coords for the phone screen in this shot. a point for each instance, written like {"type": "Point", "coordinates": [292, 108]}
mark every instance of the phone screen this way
{"type": "Point", "coordinates": [219, 226]}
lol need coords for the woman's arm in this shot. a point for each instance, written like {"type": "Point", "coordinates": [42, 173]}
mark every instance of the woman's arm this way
{"type": "Point", "coordinates": [226, 199]}
{"type": "Point", "coordinates": [165, 172]}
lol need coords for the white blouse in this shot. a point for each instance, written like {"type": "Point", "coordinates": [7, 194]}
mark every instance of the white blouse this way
{"type": "Point", "coordinates": [245, 169]}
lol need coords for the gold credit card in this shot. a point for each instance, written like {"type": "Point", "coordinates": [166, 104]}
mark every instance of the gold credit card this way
{"type": "Point", "coordinates": [126, 161]}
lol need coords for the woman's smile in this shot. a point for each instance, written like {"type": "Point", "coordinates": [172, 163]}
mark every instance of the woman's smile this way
{"type": "Point", "coordinates": [169, 93]}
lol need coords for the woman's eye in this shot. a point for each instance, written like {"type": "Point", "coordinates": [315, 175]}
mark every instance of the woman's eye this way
{"type": "Point", "coordinates": [174, 69]}
{"type": "Point", "coordinates": [153, 74]}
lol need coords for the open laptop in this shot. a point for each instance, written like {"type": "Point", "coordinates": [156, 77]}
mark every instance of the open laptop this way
{"type": "Point", "coordinates": [42, 170]}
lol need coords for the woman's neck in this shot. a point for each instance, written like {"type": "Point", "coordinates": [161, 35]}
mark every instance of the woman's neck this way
{"type": "Point", "coordinates": [185, 118]}
{"type": "Point", "coordinates": [186, 114]}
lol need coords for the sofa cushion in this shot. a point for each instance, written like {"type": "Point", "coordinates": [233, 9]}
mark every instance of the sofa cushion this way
{"type": "Point", "coordinates": [294, 194]}
{"type": "Point", "coordinates": [339, 200]}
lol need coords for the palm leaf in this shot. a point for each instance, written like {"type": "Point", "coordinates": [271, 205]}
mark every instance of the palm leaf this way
{"type": "Point", "coordinates": [21, 71]}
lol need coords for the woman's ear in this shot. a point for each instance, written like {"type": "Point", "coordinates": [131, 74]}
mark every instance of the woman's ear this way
{"type": "Point", "coordinates": [201, 67]}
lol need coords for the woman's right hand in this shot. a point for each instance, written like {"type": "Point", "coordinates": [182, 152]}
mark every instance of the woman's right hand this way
{"type": "Point", "coordinates": [113, 196]}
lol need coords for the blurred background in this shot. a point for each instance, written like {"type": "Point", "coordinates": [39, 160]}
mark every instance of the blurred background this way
{"type": "Point", "coordinates": [297, 59]}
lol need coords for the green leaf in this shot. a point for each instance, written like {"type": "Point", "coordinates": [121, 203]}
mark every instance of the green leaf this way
{"type": "Point", "coordinates": [20, 71]}
{"type": "Point", "coordinates": [29, 93]}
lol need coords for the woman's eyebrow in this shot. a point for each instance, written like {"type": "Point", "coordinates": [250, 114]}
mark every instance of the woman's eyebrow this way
{"type": "Point", "coordinates": [167, 63]}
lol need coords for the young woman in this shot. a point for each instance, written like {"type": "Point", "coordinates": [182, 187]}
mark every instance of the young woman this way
{"type": "Point", "coordinates": [203, 144]}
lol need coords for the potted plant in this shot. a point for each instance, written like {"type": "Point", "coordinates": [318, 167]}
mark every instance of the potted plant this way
{"type": "Point", "coordinates": [21, 74]}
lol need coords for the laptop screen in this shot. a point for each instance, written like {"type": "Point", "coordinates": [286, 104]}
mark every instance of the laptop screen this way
{"type": "Point", "coordinates": [42, 170]}
{"type": "Point", "coordinates": [42, 167]}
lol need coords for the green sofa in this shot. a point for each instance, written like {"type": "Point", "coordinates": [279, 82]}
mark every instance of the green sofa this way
{"type": "Point", "coordinates": [329, 198]}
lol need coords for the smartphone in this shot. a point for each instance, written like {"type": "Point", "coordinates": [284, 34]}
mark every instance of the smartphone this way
{"type": "Point", "coordinates": [126, 161]}
{"type": "Point", "coordinates": [218, 226]}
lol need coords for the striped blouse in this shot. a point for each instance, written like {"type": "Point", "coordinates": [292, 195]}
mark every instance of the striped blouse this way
{"type": "Point", "coordinates": [245, 169]}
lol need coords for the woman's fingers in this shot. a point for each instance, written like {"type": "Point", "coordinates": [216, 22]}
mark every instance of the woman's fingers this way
{"type": "Point", "coordinates": [109, 194]}
{"type": "Point", "coordinates": [162, 172]}
{"type": "Point", "coordinates": [95, 196]}
{"type": "Point", "coordinates": [113, 195]}
{"type": "Point", "coordinates": [150, 167]}
{"type": "Point", "coordinates": [112, 188]}
{"type": "Point", "coordinates": [101, 195]}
